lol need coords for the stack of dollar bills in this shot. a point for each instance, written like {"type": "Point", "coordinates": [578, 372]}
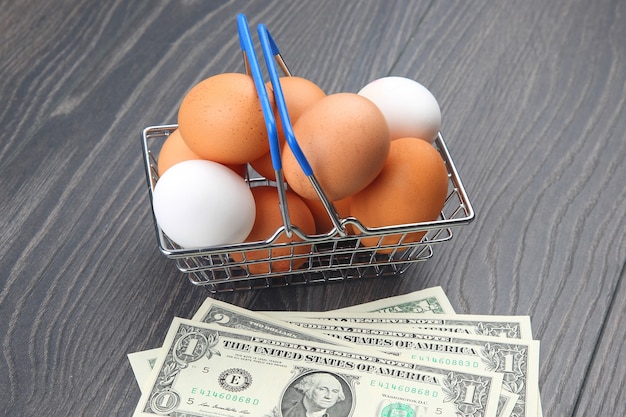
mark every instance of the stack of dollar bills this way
{"type": "Point", "coordinates": [404, 356]}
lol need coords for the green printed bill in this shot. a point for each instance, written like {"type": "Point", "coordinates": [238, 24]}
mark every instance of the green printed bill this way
{"type": "Point", "coordinates": [515, 327]}
{"type": "Point", "coordinates": [213, 311]}
{"type": "Point", "coordinates": [516, 359]}
{"type": "Point", "coordinates": [208, 370]}
{"type": "Point", "coordinates": [430, 300]}
{"type": "Point", "coordinates": [431, 311]}
{"type": "Point", "coordinates": [227, 315]}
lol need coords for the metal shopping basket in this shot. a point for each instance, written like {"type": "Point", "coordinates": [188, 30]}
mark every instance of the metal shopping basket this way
{"type": "Point", "coordinates": [334, 256]}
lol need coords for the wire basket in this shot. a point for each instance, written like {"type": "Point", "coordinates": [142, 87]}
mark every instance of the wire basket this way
{"type": "Point", "coordinates": [308, 259]}
{"type": "Point", "coordinates": [329, 257]}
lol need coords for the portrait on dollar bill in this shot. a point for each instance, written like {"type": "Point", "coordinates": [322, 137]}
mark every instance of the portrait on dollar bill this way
{"type": "Point", "coordinates": [320, 394]}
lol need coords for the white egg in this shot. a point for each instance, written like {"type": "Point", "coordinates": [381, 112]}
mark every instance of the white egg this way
{"type": "Point", "coordinates": [410, 109]}
{"type": "Point", "coordinates": [201, 203]}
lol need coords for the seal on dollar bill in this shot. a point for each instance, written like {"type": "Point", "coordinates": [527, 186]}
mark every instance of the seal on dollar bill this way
{"type": "Point", "coordinates": [235, 379]}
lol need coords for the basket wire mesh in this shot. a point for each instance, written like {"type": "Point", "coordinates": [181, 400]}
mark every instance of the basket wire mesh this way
{"type": "Point", "coordinates": [329, 257]}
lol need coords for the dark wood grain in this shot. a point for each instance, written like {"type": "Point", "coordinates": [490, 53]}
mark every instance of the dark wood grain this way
{"type": "Point", "coordinates": [532, 95]}
{"type": "Point", "coordinates": [602, 393]}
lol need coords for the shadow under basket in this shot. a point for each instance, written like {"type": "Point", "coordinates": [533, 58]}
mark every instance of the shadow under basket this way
{"type": "Point", "coordinates": [314, 259]}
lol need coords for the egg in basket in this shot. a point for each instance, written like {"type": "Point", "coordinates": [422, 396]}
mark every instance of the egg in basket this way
{"type": "Point", "coordinates": [273, 184]}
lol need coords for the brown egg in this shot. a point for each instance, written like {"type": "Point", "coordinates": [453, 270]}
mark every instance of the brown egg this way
{"type": "Point", "coordinates": [175, 150]}
{"type": "Point", "coordinates": [221, 120]}
{"type": "Point", "coordinates": [323, 224]}
{"type": "Point", "coordinates": [268, 220]}
{"type": "Point", "coordinates": [411, 188]}
{"type": "Point", "coordinates": [300, 94]}
{"type": "Point", "coordinates": [345, 138]}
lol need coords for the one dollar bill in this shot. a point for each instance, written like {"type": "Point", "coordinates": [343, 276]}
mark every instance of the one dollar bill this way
{"type": "Point", "coordinates": [231, 316]}
{"type": "Point", "coordinates": [207, 370]}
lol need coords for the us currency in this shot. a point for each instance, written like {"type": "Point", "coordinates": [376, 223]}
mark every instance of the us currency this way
{"type": "Point", "coordinates": [208, 370]}
{"type": "Point", "coordinates": [224, 314]}
{"type": "Point", "coordinates": [515, 327]}
{"type": "Point", "coordinates": [227, 315]}
{"type": "Point", "coordinates": [516, 359]}
{"type": "Point", "coordinates": [430, 300]}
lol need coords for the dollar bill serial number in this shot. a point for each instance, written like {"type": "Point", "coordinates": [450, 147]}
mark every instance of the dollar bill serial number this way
{"type": "Point", "coordinates": [227, 396]}
{"type": "Point", "coordinates": [407, 389]}
{"type": "Point", "coordinates": [447, 361]}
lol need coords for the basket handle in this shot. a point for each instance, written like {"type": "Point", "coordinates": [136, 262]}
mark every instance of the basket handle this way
{"type": "Point", "coordinates": [252, 68]}
{"type": "Point", "coordinates": [270, 49]}
{"type": "Point", "coordinates": [272, 55]}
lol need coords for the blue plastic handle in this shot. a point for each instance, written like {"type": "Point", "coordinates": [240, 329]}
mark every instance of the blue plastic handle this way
{"type": "Point", "coordinates": [270, 51]}
{"type": "Point", "coordinates": [245, 41]}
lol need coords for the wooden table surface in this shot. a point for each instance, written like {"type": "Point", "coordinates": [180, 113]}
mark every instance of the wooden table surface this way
{"type": "Point", "coordinates": [532, 95]}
